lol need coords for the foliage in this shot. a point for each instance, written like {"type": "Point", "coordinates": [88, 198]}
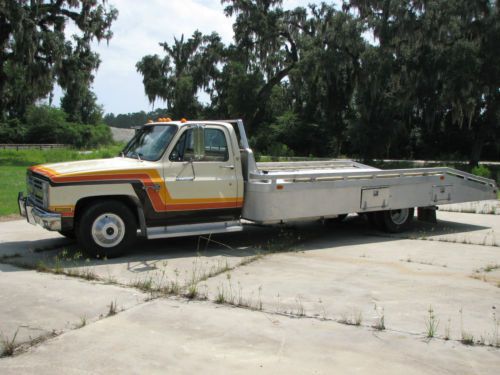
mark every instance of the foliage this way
{"type": "Point", "coordinates": [28, 157]}
{"type": "Point", "coordinates": [134, 119]}
{"type": "Point", "coordinates": [481, 170]}
{"type": "Point", "coordinates": [376, 79]}
{"type": "Point", "coordinates": [46, 124]}
{"type": "Point", "coordinates": [187, 66]}
{"type": "Point", "coordinates": [35, 52]}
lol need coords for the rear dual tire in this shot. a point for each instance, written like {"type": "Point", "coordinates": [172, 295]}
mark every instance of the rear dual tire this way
{"type": "Point", "coordinates": [392, 221]}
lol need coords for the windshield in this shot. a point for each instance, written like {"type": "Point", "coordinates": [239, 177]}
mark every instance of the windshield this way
{"type": "Point", "coordinates": [150, 142]}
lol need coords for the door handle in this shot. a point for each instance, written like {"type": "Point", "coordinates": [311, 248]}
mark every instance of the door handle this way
{"type": "Point", "coordinates": [227, 166]}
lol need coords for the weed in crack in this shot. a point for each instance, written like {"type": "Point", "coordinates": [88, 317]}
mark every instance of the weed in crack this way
{"type": "Point", "coordinates": [495, 341]}
{"type": "Point", "coordinates": [354, 319]}
{"type": "Point", "coordinates": [82, 323]}
{"type": "Point", "coordinates": [192, 291]}
{"type": "Point", "coordinates": [467, 338]}
{"type": "Point", "coordinates": [8, 345]}
{"type": "Point", "coordinates": [380, 322]}
{"type": "Point", "coordinates": [221, 294]}
{"type": "Point", "coordinates": [491, 267]}
{"type": "Point", "coordinates": [431, 323]}
{"type": "Point", "coordinates": [299, 311]}
{"type": "Point", "coordinates": [447, 330]}
{"type": "Point", "coordinates": [112, 308]}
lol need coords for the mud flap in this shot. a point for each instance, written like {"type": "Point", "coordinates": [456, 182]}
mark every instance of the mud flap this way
{"type": "Point", "coordinates": [427, 214]}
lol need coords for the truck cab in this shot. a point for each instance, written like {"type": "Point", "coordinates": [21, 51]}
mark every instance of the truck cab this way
{"type": "Point", "coordinates": [171, 173]}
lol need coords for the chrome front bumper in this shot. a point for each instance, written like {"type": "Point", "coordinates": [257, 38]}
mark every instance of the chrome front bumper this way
{"type": "Point", "coordinates": [36, 215]}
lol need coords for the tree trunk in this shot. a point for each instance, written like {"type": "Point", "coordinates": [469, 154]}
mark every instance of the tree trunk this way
{"type": "Point", "coordinates": [475, 155]}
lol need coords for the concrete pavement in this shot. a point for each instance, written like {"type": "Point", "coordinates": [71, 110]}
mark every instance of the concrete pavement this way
{"type": "Point", "coordinates": [178, 337]}
{"type": "Point", "coordinates": [297, 307]}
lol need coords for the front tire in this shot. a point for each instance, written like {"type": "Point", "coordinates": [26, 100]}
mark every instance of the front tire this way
{"type": "Point", "coordinates": [106, 229]}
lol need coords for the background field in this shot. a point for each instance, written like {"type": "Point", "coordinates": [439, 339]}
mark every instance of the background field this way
{"type": "Point", "coordinates": [13, 166]}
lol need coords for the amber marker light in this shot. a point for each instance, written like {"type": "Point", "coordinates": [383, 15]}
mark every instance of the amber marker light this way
{"type": "Point", "coordinates": [183, 120]}
{"type": "Point", "coordinates": [279, 187]}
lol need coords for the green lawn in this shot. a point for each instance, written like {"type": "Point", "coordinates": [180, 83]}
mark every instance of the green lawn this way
{"type": "Point", "coordinates": [12, 181]}
{"type": "Point", "coordinates": [13, 166]}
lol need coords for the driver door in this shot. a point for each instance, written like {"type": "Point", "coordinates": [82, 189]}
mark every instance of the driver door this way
{"type": "Point", "coordinates": [200, 176]}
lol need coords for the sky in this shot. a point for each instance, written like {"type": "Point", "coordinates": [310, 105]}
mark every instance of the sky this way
{"type": "Point", "coordinates": [140, 26]}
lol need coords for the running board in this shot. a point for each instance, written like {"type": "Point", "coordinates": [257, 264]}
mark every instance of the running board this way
{"type": "Point", "coordinates": [193, 229]}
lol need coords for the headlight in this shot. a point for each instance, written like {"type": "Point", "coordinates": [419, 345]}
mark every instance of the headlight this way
{"type": "Point", "coordinates": [29, 184]}
{"type": "Point", "coordinates": [45, 188]}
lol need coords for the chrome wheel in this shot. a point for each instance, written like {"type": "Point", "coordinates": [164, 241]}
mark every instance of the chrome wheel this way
{"type": "Point", "coordinates": [399, 217]}
{"type": "Point", "coordinates": [108, 230]}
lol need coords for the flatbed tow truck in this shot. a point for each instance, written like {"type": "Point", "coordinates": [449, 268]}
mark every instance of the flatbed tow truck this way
{"type": "Point", "coordinates": [183, 178]}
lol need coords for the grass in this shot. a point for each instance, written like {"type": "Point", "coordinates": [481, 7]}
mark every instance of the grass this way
{"type": "Point", "coordinates": [8, 345]}
{"type": "Point", "coordinates": [432, 323]}
{"type": "Point", "coordinates": [32, 157]}
{"type": "Point", "coordinates": [491, 267]}
{"type": "Point", "coordinates": [13, 181]}
{"type": "Point", "coordinates": [354, 319]}
{"type": "Point", "coordinates": [380, 323]}
{"type": "Point", "coordinates": [13, 166]}
{"type": "Point", "coordinates": [112, 308]}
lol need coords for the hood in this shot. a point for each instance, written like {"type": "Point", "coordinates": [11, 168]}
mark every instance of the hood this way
{"type": "Point", "coordinates": [56, 171]}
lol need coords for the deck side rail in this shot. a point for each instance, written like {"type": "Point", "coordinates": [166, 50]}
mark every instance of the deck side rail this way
{"type": "Point", "coordinates": [389, 173]}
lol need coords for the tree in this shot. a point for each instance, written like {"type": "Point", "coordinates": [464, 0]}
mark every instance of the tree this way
{"type": "Point", "coordinates": [34, 49]}
{"type": "Point", "coordinates": [265, 44]}
{"type": "Point", "coordinates": [326, 76]}
{"type": "Point", "coordinates": [443, 60]}
{"type": "Point", "coordinates": [377, 78]}
{"type": "Point", "coordinates": [76, 76]}
{"type": "Point", "coordinates": [188, 66]}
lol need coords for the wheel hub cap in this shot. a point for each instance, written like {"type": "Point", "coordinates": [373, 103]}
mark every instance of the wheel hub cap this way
{"type": "Point", "coordinates": [108, 230]}
{"type": "Point", "coordinates": [399, 216]}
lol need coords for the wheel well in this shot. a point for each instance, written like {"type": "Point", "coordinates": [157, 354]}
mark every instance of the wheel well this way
{"type": "Point", "coordinates": [87, 201]}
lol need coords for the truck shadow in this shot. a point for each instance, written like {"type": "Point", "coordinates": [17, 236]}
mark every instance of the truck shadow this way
{"type": "Point", "coordinates": [148, 256]}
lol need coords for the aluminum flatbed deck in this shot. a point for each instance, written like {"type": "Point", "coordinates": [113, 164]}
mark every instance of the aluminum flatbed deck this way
{"type": "Point", "coordinates": [280, 192]}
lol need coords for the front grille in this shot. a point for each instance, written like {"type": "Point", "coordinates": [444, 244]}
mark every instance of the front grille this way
{"type": "Point", "coordinates": [35, 190]}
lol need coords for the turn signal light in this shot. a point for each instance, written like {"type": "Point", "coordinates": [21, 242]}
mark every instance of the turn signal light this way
{"type": "Point", "coordinates": [164, 119]}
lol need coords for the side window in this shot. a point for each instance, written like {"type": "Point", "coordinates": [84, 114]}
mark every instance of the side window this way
{"type": "Point", "coordinates": [184, 149]}
{"type": "Point", "coordinates": [215, 145]}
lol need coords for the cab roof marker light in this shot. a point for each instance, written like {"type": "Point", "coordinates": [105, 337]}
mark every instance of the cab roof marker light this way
{"type": "Point", "coordinates": [183, 120]}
